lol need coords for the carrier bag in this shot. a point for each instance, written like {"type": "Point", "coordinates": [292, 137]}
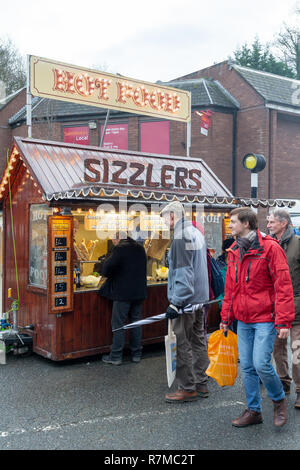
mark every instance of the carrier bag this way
{"type": "Point", "coordinates": [223, 356]}
{"type": "Point", "coordinates": [170, 344]}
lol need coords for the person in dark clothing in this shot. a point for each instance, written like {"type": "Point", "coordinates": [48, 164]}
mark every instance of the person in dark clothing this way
{"type": "Point", "coordinates": [126, 284]}
{"type": "Point", "coordinates": [222, 262]}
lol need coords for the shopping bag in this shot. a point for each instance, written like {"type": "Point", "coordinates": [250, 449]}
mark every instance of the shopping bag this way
{"type": "Point", "coordinates": [170, 344]}
{"type": "Point", "coordinates": [223, 356]}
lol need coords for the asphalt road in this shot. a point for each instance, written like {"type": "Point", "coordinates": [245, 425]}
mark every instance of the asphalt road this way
{"type": "Point", "coordinates": [87, 405]}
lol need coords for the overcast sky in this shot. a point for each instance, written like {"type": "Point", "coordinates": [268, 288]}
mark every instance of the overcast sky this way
{"type": "Point", "coordinates": [153, 40]}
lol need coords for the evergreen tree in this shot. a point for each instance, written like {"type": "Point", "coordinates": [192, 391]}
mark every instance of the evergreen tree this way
{"type": "Point", "coordinates": [259, 57]}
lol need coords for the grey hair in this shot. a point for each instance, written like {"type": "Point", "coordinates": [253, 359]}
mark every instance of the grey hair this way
{"type": "Point", "coordinates": [282, 215]}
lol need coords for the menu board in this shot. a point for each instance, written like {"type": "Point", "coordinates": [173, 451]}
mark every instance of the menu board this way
{"type": "Point", "coordinates": [60, 264]}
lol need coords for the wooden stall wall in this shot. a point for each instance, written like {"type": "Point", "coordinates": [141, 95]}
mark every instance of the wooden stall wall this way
{"type": "Point", "coordinates": [33, 302]}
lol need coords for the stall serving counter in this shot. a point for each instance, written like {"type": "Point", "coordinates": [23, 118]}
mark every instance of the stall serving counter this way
{"type": "Point", "coordinates": [66, 202]}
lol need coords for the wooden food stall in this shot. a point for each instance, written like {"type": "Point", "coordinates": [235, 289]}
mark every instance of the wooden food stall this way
{"type": "Point", "coordinates": [65, 201]}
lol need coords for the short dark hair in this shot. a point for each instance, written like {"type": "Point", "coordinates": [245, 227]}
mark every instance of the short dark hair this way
{"type": "Point", "coordinates": [245, 214]}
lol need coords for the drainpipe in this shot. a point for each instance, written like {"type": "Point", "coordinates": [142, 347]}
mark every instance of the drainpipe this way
{"type": "Point", "coordinates": [234, 129]}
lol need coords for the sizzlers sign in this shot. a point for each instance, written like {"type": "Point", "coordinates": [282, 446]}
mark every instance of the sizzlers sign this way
{"type": "Point", "coordinates": [142, 175]}
{"type": "Point", "coordinates": [66, 82]}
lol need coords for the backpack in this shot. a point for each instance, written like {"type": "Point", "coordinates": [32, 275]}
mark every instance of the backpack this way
{"type": "Point", "coordinates": [216, 281]}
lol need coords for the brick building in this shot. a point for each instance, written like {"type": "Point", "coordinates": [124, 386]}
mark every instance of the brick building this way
{"type": "Point", "coordinates": [8, 107]}
{"type": "Point", "coordinates": [251, 111]}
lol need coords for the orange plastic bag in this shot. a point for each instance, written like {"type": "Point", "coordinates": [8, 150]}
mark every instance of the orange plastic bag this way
{"type": "Point", "coordinates": [223, 356]}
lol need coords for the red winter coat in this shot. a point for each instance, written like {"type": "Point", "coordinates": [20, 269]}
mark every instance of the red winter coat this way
{"type": "Point", "coordinates": [258, 288]}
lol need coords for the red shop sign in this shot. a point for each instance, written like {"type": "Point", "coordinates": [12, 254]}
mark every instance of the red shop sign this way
{"type": "Point", "coordinates": [76, 135]}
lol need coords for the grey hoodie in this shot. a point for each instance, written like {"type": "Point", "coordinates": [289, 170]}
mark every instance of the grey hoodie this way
{"type": "Point", "coordinates": [188, 276]}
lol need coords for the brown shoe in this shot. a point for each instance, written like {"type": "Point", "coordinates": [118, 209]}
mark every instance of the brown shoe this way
{"type": "Point", "coordinates": [297, 402]}
{"type": "Point", "coordinates": [280, 412]}
{"type": "Point", "coordinates": [202, 391]}
{"type": "Point", "coordinates": [286, 387]}
{"type": "Point", "coordinates": [247, 418]}
{"type": "Point", "coordinates": [181, 396]}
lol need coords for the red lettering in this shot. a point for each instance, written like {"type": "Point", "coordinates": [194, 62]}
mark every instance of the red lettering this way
{"type": "Point", "coordinates": [103, 85]}
{"type": "Point", "coordinates": [105, 170]}
{"type": "Point", "coordinates": [165, 177]}
{"type": "Point", "coordinates": [180, 176]}
{"type": "Point", "coordinates": [84, 85]}
{"type": "Point", "coordinates": [149, 183]}
{"type": "Point", "coordinates": [157, 100]}
{"type": "Point", "coordinates": [124, 92]}
{"type": "Point", "coordinates": [133, 179]}
{"type": "Point", "coordinates": [63, 81]}
{"type": "Point", "coordinates": [87, 167]}
{"type": "Point", "coordinates": [141, 96]}
{"type": "Point", "coordinates": [116, 175]}
{"type": "Point", "coordinates": [192, 174]}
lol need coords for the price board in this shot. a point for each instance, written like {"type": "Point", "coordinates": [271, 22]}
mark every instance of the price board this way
{"type": "Point", "coordinates": [60, 276]}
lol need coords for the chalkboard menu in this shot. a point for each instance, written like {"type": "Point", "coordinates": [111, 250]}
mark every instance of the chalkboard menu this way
{"type": "Point", "coordinates": [60, 264]}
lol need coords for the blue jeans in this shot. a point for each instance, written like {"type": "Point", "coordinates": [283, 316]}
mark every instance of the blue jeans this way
{"type": "Point", "coordinates": [255, 343]}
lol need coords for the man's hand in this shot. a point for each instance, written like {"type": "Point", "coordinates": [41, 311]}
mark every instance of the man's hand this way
{"type": "Point", "coordinates": [172, 312]}
{"type": "Point", "coordinates": [283, 333]}
{"type": "Point", "coordinates": [224, 327]}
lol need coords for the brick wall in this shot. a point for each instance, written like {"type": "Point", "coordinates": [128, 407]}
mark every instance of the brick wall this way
{"type": "Point", "coordinates": [5, 131]}
{"type": "Point", "coordinates": [287, 160]}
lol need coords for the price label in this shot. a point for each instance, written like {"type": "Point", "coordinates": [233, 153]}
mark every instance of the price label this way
{"type": "Point", "coordinates": [60, 270]}
{"type": "Point", "coordinates": [60, 287]}
{"type": "Point", "coordinates": [60, 241]}
{"type": "Point", "coordinates": [60, 301]}
{"type": "Point", "coordinates": [60, 256]}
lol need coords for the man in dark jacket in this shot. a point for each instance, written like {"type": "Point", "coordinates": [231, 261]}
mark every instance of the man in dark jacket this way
{"type": "Point", "coordinates": [259, 294]}
{"type": "Point", "coordinates": [280, 227]}
{"type": "Point", "coordinates": [126, 285]}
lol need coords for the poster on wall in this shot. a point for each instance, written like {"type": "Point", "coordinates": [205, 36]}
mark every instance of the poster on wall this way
{"type": "Point", "coordinates": [76, 135]}
{"type": "Point", "coordinates": [116, 136]}
{"type": "Point", "coordinates": [155, 137]}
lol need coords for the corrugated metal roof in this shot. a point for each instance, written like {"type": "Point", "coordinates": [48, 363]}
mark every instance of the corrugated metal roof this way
{"type": "Point", "coordinates": [59, 169]}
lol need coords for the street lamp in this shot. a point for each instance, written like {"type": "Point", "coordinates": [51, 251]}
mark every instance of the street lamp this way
{"type": "Point", "coordinates": [255, 163]}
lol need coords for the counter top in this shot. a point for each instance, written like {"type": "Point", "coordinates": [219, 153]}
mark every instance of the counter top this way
{"type": "Point", "coordinates": [95, 289]}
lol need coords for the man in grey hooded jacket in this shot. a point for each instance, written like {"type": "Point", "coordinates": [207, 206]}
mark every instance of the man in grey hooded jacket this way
{"type": "Point", "coordinates": [187, 284]}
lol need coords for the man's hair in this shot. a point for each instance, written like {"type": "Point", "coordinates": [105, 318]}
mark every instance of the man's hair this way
{"type": "Point", "coordinates": [176, 207]}
{"type": "Point", "coordinates": [282, 215]}
{"type": "Point", "coordinates": [245, 214]}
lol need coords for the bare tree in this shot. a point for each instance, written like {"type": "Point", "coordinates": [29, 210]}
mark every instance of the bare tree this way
{"type": "Point", "coordinates": [288, 42]}
{"type": "Point", "coordinates": [12, 67]}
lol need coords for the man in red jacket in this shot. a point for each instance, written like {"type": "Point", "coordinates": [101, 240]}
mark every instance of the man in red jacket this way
{"type": "Point", "coordinates": [259, 294]}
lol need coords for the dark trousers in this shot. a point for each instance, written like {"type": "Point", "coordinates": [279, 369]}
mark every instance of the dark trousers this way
{"type": "Point", "coordinates": [120, 313]}
{"type": "Point", "coordinates": [192, 356]}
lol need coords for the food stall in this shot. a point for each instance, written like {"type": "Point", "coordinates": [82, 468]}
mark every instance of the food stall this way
{"type": "Point", "coordinates": [62, 203]}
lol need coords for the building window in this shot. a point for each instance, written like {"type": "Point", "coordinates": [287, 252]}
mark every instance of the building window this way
{"type": "Point", "coordinates": [116, 136]}
{"type": "Point", "coordinates": [155, 137]}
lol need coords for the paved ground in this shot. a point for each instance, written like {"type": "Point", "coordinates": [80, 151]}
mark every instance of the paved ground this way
{"type": "Point", "coordinates": [88, 405]}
